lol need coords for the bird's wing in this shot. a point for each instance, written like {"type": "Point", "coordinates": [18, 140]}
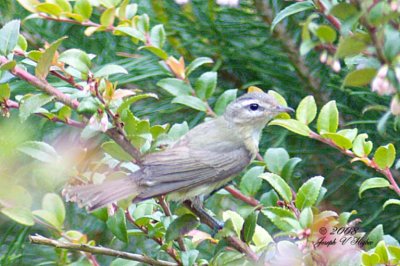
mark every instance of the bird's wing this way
{"type": "Point", "coordinates": [182, 168]}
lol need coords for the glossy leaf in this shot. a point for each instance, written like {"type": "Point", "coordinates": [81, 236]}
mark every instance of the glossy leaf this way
{"type": "Point", "coordinates": [20, 215]}
{"type": "Point", "coordinates": [174, 86]}
{"type": "Point", "coordinates": [158, 36]}
{"type": "Point", "coordinates": [288, 168]}
{"type": "Point", "coordinates": [236, 220]}
{"type": "Point", "coordinates": [375, 182]}
{"type": "Point", "coordinates": [49, 8]}
{"type": "Point", "coordinates": [180, 226]}
{"type": "Point", "coordinates": [359, 77]}
{"type": "Point", "coordinates": [43, 66]}
{"type": "Point", "coordinates": [275, 159]}
{"type": "Point", "coordinates": [63, 4]}
{"type": "Point", "coordinates": [391, 201]}
{"type": "Point", "coordinates": [4, 92]}
{"type": "Point", "coordinates": [32, 105]}
{"type": "Point", "coordinates": [83, 8]}
{"type": "Point", "coordinates": [116, 151]}
{"type": "Point", "coordinates": [326, 34]}
{"type": "Point", "coordinates": [40, 151]}
{"type": "Point", "coordinates": [48, 218]}
{"type": "Point", "coordinates": [190, 101]}
{"type": "Point", "coordinates": [307, 110]}
{"type": "Point", "coordinates": [131, 100]}
{"type": "Point", "coordinates": [226, 98]}
{"type": "Point", "coordinates": [279, 185]}
{"type": "Point", "coordinates": [156, 51]}
{"type": "Point", "coordinates": [292, 125]}
{"type": "Point", "coordinates": [306, 218]}
{"type": "Point", "coordinates": [249, 227]}
{"type": "Point", "coordinates": [352, 45]}
{"type": "Point", "coordinates": [250, 182]}
{"type": "Point", "coordinates": [284, 219]}
{"type": "Point", "coordinates": [9, 36]}
{"type": "Point", "coordinates": [385, 155]}
{"type": "Point", "coordinates": [362, 148]}
{"type": "Point", "coordinates": [328, 118]}
{"type": "Point", "coordinates": [107, 17]}
{"type": "Point", "coordinates": [308, 192]}
{"type": "Point", "coordinates": [117, 225]}
{"type": "Point", "coordinates": [54, 204]}
{"type": "Point", "coordinates": [29, 5]}
{"type": "Point", "coordinates": [290, 10]}
{"type": "Point", "coordinates": [339, 140]}
{"type": "Point", "coordinates": [206, 84]}
{"type": "Point", "coordinates": [109, 70]}
{"type": "Point", "coordinates": [76, 58]}
{"type": "Point", "coordinates": [87, 106]}
{"type": "Point", "coordinates": [197, 63]}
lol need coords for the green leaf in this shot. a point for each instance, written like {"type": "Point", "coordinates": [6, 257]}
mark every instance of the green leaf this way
{"type": "Point", "coordinates": [174, 86]}
{"type": "Point", "coordinates": [288, 168]}
{"type": "Point", "coordinates": [87, 106]}
{"type": "Point", "coordinates": [284, 219]}
{"type": "Point", "coordinates": [384, 156]}
{"type": "Point", "coordinates": [292, 125]}
{"type": "Point", "coordinates": [279, 185]}
{"type": "Point", "coordinates": [375, 235]}
{"type": "Point", "coordinates": [290, 10]}
{"type": "Point", "coordinates": [249, 227]}
{"type": "Point", "coordinates": [189, 257]}
{"type": "Point", "coordinates": [391, 44]}
{"type": "Point", "coordinates": [116, 151]}
{"type": "Point", "coordinates": [83, 8]}
{"type": "Point", "coordinates": [206, 84]}
{"type": "Point", "coordinates": [53, 203]}
{"type": "Point", "coordinates": [328, 118]}
{"type": "Point", "coordinates": [180, 226]}
{"type": "Point", "coordinates": [190, 101]}
{"type": "Point", "coordinates": [362, 148]}
{"type": "Point", "coordinates": [43, 66]}
{"type": "Point", "coordinates": [375, 182]}
{"type": "Point", "coordinates": [382, 252]}
{"type": "Point", "coordinates": [76, 58]}
{"type": "Point", "coordinates": [134, 33]}
{"type": "Point", "coordinates": [226, 98]}
{"type": "Point", "coordinates": [20, 215]}
{"type": "Point", "coordinates": [9, 36]}
{"type": "Point", "coordinates": [22, 44]}
{"type": "Point", "coordinates": [306, 218]}
{"type": "Point", "coordinates": [359, 77]}
{"type": "Point", "coordinates": [326, 34]}
{"type": "Point", "coordinates": [143, 23]}
{"type": "Point", "coordinates": [275, 159]}
{"type": "Point", "coordinates": [178, 130]}
{"type": "Point", "coordinates": [350, 134]}
{"type": "Point", "coordinates": [49, 8]}
{"type": "Point", "coordinates": [109, 70]}
{"type": "Point", "coordinates": [307, 110]}
{"type": "Point", "coordinates": [236, 220]}
{"type": "Point", "coordinates": [129, 101]}
{"type": "Point", "coordinates": [308, 192]}
{"type": "Point", "coordinates": [250, 182]}
{"type": "Point", "coordinates": [5, 92]}
{"type": "Point", "coordinates": [278, 97]}
{"type": "Point", "coordinates": [117, 225]}
{"type": "Point", "coordinates": [63, 4]}
{"type": "Point", "coordinates": [197, 63]}
{"type": "Point", "coordinates": [157, 36]}
{"type": "Point", "coordinates": [48, 218]}
{"type": "Point", "coordinates": [352, 45]}
{"type": "Point", "coordinates": [156, 51]}
{"type": "Point", "coordinates": [339, 140]}
{"type": "Point", "coordinates": [261, 237]}
{"type": "Point", "coordinates": [107, 17]}
{"type": "Point", "coordinates": [29, 4]}
{"type": "Point", "coordinates": [40, 151]}
{"type": "Point", "coordinates": [369, 259]}
{"type": "Point", "coordinates": [391, 201]}
{"type": "Point", "coordinates": [8, 66]}
{"type": "Point", "coordinates": [32, 105]}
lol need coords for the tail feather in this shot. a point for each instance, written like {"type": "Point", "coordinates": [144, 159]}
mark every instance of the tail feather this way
{"type": "Point", "coordinates": [95, 196]}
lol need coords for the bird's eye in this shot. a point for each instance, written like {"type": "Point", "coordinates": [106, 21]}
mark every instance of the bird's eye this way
{"type": "Point", "coordinates": [254, 107]}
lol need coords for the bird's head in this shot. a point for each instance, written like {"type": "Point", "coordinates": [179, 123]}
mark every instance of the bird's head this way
{"type": "Point", "coordinates": [256, 108]}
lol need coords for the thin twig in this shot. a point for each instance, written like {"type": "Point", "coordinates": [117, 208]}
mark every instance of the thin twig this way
{"type": "Point", "coordinates": [167, 211]}
{"type": "Point", "coordinates": [367, 161]}
{"type": "Point", "coordinates": [239, 195]}
{"type": "Point", "coordinates": [40, 240]}
{"type": "Point", "coordinates": [170, 251]}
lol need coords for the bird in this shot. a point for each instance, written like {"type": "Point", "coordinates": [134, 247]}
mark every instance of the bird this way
{"type": "Point", "coordinates": [203, 160]}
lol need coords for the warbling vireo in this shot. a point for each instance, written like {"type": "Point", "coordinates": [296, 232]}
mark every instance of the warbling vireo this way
{"type": "Point", "coordinates": [204, 159]}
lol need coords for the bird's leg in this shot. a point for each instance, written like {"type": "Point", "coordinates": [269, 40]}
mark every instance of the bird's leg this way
{"type": "Point", "coordinates": [205, 218]}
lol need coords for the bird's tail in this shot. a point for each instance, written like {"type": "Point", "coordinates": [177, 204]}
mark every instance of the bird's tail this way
{"type": "Point", "coordinates": [95, 196]}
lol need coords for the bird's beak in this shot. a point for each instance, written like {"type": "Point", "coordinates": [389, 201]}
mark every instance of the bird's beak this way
{"type": "Point", "coordinates": [284, 109]}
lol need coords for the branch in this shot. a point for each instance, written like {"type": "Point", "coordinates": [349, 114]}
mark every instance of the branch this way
{"type": "Point", "coordinates": [170, 251]}
{"type": "Point", "coordinates": [239, 195]}
{"type": "Point", "coordinates": [40, 240]}
{"type": "Point", "coordinates": [370, 163]}
{"type": "Point", "coordinates": [44, 86]}
{"type": "Point", "coordinates": [214, 225]}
